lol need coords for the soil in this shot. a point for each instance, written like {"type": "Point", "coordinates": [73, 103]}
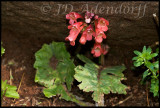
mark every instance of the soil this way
{"type": "Point", "coordinates": [19, 58]}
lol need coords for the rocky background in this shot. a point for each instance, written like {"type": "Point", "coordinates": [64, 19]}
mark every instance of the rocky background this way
{"type": "Point", "coordinates": [131, 23]}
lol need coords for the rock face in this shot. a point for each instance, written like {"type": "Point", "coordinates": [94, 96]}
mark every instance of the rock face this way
{"type": "Point", "coordinates": [131, 23]}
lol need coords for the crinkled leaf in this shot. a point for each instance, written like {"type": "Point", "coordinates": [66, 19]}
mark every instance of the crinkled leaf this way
{"type": "Point", "coordinates": [108, 81]}
{"type": "Point", "coordinates": [46, 75]}
{"type": "Point", "coordinates": [66, 71]}
{"type": "Point", "coordinates": [51, 77]}
{"type": "Point", "coordinates": [56, 90]}
{"type": "Point", "coordinates": [9, 90]}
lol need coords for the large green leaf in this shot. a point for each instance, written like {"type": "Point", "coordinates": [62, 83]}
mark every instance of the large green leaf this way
{"type": "Point", "coordinates": [54, 77]}
{"type": "Point", "coordinates": [46, 74]}
{"type": "Point", "coordinates": [9, 90]}
{"type": "Point", "coordinates": [108, 81]}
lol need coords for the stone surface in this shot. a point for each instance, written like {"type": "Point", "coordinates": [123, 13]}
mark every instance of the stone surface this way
{"type": "Point", "coordinates": [131, 23]}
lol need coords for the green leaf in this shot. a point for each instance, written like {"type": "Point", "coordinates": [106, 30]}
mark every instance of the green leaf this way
{"type": "Point", "coordinates": [134, 58]}
{"type": "Point", "coordinates": [46, 74]}
{"type": "Point", "coordinates": [153, 68]}
{"type": "Point", "coordinates": [56, 90]}
{"type": "Point", "coordinates": [145, 74]}
{"type": "Point", "coordinates": [137, 52]}
{"type": "Point", "coordinates": [156, 64]}
{"type": "Point", "coordinates": [144, 49]}
{"type": "Point", "coordinates": [155, 87]}
{"type": "Point", "coordinates": [9, 90]}
{"type": "Point", "coordinates": [149, 50]}
{"type": "Point", "coordinates": [137, 64]}
{"type": "Point", "coordinates": [53, 77]}
{"type": "Point", "coordinates": [4, 84]}
{"type": "Point", "coordinates": [65, 72]}
{"type": "Point", "coordinates": [61, 91]}
{"type": "Point", "coordinates": [154, 55]}
{"type": "Point", "coordinates": [149, 65]}
{"type": "Point", "coordinates": [108, 81]}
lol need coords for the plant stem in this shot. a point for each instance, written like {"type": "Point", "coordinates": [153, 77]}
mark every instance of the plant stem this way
{"type": "Point", "coordinates": [102, 60]}
{"type": "Point", "coordinates": [101, 96]}
{"type": "Point", "coordinates": [147, 94]}
{"type": "Point", "coordinates": [101, 101]}
{"type": "Point", "coordinates": [78, 49]}
{"type": "Point", "coordinates": [19, 85]}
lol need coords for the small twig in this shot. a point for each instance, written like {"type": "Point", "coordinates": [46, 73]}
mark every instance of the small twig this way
{"type": "Point", "coordinates": [147, 95]}
{"type": "Point", "coordinates": [19, 85]}
{"type": "Point", "coordinates": [78, 49]}
{"type": "Point", "coordinates": [156, 19]}
{"type": "Point", "coordinates": [53, 104]}
{"type": "Point", "coordinates": [45, 99]}
{"type": "Point", "coordinates": [10, 76]}
{"type": "Point", "coordinates": [40, 98]}
{"type": "Point", "coordinates": [120, 102]}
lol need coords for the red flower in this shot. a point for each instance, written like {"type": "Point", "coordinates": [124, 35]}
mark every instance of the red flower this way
{"type": "Point", "coordinates": [96, 50]}
{"type": "Point", "coordinates": [102, 24]}
{"type": "Point", "coordinates": [87, 35]}
{"type": "Point", "coordinates": [105, 49]}
{"type": "Point", "coordinates": [83, 39]}
{"type": "Point", "coordinates": [96, 17]}
{"type": "Point", "coordinates": [73, 16]}
{"type": "Point", "coordinates": [75, 30]}
{"type": "Point", "coordinates": [89, 31]}
{"type": "Point", "coordinates": [99, 36]}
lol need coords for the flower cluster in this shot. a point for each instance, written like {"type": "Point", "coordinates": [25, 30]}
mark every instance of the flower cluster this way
{"type": "Point", "coordinates": [90, 29]}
